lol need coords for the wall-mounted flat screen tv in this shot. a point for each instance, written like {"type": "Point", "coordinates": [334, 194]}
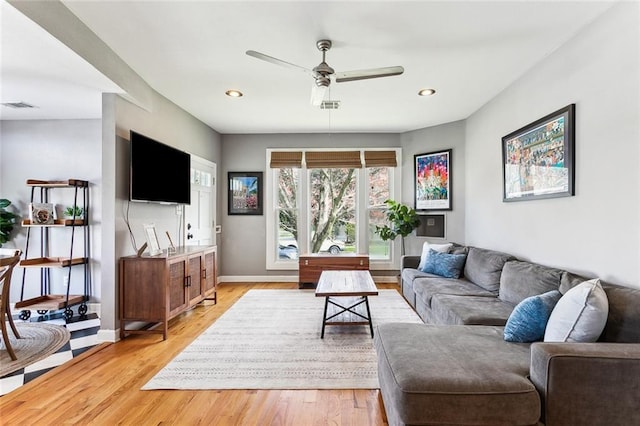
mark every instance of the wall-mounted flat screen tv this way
{"type": "Point", "coordinates": [159, 173]}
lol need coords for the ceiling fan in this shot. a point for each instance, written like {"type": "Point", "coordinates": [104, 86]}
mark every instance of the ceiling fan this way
{"type": "Point", "coordinates": [323, 73]}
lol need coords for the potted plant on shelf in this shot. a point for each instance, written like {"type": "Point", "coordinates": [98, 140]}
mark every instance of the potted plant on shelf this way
{"type": "Point", "coordinates": [73, 212]}
{"type": "Point", "coordinates": [402, 221]}
{"type": "Point", "coordinates": [7, 220]}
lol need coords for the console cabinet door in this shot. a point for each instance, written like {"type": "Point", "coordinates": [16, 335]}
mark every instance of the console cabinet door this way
{"type": "Point", "coordinates": [209, 272]}
{"type": "Point", "coordinates": [194, 281]}
{"type": "Point", "coordinates": [177, 283]}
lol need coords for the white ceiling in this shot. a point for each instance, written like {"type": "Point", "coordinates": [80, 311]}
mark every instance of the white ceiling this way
{"type": "Point", "coordinates": [192, 52]}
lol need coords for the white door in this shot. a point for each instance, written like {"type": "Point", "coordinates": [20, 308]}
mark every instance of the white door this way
{"type": "Point", "coordinates": [200, 216]}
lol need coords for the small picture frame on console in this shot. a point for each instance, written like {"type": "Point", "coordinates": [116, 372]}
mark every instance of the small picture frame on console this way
{"type": "Point", "coordinates": [152, 239]}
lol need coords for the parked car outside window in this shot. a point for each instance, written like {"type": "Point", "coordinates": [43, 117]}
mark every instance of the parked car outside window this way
{"type": "Point", "coordinates": [288, 248]}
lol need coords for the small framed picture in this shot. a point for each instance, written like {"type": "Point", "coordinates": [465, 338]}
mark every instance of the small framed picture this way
{"type": "Point", "coordinates": [245, 193]}
{"type": "Point", "coordinates": [41, 213]}
{"type": "Point", "coordinates": [152, 239]}
{"type": "Point", "coordinates": [431, 225]}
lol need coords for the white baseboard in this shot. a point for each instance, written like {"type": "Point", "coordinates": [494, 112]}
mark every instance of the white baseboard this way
{"type": "Point", "coordinates": [258, 279]}
{"type": "Point", "coordinates": [110, 336]}
{"type": "Point", "coordinates": [286, 279]}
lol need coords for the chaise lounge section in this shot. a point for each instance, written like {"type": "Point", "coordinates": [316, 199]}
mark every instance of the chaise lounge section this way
{"type": "Point", "coordinates": [458, 369]}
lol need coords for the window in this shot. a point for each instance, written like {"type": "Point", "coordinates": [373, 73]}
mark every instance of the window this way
{"type": "Point", "coordinates": [329, 203]}
{"type": "Point", "coordinates": [287, 212]}
{"type": "Point", "coordinates": [378, 191]}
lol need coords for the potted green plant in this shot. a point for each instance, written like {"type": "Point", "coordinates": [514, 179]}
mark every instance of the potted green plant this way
{"type": "Point", "coordinates": [7, 220]}
{"type": "Point", "coordinates": [402, 221]}
{"type": "Point", "coordinates": [72, 212]}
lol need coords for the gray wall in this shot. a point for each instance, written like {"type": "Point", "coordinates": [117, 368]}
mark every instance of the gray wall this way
{"type": "Point", "coordinates": [169, 124]}
{"type": "Point", "coordinates": [52, 150]}
{"type": "Point", "coordinates": [596, 231]}
{"type": "Point", "coordinates": [446, 136]}
{"type": "Point", "coordinates": [243, 246]}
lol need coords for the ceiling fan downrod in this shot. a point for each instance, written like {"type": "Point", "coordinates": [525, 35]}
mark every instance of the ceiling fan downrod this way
{"type": "Point", "coordinates": [323, 71]}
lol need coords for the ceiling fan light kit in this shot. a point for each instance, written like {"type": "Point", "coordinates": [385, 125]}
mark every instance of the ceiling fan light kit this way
{"type": "Point", "coordinates": [323, 74]}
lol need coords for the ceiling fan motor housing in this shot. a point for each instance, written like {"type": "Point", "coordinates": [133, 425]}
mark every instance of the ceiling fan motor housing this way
{"type": "Point", "coordinates": [322, 81]}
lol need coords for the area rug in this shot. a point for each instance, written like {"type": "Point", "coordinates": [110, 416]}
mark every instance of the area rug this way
{"type": "Point", "coordinates": [270, 339]}
{"type": "Point", "coordinates": [37, 342]}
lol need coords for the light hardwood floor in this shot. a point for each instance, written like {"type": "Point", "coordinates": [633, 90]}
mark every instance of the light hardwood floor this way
{"type": "Point", "coordinates": [102, 386]}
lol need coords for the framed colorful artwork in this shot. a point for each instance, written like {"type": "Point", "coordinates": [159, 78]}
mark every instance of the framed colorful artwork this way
{"type": "Point", "coordinates": [433, 181]}
{"type": "Point", "coordinates": [245, 193]}
{"type": "Point", "coordinates": [538, 159]}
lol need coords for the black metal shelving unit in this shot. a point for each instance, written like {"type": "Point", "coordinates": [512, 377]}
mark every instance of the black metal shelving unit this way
{"type": "Point", "coordinates": [48, 302]}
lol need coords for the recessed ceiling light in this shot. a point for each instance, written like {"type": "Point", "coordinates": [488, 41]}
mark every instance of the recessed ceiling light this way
{"type": "Point", "coordinates": [426, 92]}
{"type": "Point", "coordinates": [233, 93]}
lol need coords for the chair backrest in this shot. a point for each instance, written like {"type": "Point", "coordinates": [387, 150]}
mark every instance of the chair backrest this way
{"type": "Point", "coordinates": [7, 263]}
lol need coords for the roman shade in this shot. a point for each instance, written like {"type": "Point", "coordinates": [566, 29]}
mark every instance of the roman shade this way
{"type": "Point", "coordinates": [380, 159]}
{"type": "Point", "coordinates": [281, 159]}
{"type": "Point", "coordinates": [333, 159]}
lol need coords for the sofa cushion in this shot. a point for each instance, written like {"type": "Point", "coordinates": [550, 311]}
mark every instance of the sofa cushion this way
{"type": "Point", "coordinates": [484, 267]}
{"type": "Point", "coordinates": [441, 248]}
{"type": "Point", "coordinates": [444, 264]}
{"type": "Point", "coordinates": [529, 318]}
{"type": "Point", "coordinates": [580, 315]}
{"type": "Point", "coordinates": [410, 274]}
{"type": "Point", "coordinates": [469, 310]}
{"type": "Point", "coordinates": [445, 375]}
{"type": "Point", "coordinates": [426, 287]}
{"type": "Point", "coordinates": [521, 279]}
{"type": "Point", "coordinates": [623, 321]}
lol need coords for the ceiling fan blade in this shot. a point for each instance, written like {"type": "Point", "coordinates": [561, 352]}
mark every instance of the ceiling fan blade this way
{"type": "Point", "coordinates": [370, 73]}
{"type": "Point", "coordinates": [280, 62]}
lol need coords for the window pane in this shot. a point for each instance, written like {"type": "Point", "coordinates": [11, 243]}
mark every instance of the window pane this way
{"type": "Point", "coordinates": [287, 235]}
{"type": "Point", "coordinates": [333, 208]}
{"type": "Point", "coordinates": [378, 249]}
{"type": "Point", "coordinates": [288, 182]}
{"type": "Point", "coordinates": [287, 213]}
{"type": "Point", "coordinates": [378, 180]}
{"type": "Point", "coordinates": [378, 185]}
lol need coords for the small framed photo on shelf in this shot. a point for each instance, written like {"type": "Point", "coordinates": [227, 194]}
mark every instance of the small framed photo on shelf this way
{"type": "Point", "coordinates": [41, 213]}
{"type": "Point", "coordinates": [538, 159]}
{"type": "Point", "coordinates": [152, 239]}
{"type": "Point", "coordinates": [245, 193]}
{"type": "Point", "coordinates": [433, 180]}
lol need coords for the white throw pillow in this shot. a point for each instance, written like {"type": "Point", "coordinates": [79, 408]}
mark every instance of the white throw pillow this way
{"type": "Point", "coordinates": [580, 315]}
{"type": "Point", "coordinates": [442, 248]}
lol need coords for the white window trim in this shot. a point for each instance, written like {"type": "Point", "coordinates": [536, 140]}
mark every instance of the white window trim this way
{"type": "Point", "coordinates": [272, 260]}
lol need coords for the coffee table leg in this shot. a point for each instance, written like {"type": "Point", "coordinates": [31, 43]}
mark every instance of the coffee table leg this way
{"type": "Point", "coordinates": [324, 316]}
{"type": "Point", "coordinates": [366, 302]}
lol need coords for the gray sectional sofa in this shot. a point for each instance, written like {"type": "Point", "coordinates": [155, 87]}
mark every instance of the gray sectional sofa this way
{"type": "Point", "coordinates": [457, 368]}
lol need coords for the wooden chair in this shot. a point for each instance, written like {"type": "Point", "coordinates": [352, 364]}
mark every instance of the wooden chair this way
{"type": "Point", "coordinates": [7, 263]}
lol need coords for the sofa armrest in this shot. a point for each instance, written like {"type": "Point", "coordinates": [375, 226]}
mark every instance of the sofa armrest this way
{"type": "Point", "coordinates": [587, 383]}
{"type": "Point", "coordinates": [409, 262]}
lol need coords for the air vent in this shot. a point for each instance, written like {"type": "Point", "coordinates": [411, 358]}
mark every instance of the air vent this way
{"type": "Point", "coordinates": [17, 105]}
{"type": "Point", "coordinates": [330, 105]}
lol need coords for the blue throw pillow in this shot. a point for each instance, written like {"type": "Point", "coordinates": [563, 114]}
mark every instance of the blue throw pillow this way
{"type": "Point", "coordinates": [444, 264]}
{"type": "Point", "coordinates": [528, 321]}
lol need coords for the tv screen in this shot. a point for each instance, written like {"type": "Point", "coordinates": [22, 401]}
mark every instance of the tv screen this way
{"type": "Point", "coordinates": [159, 172]}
